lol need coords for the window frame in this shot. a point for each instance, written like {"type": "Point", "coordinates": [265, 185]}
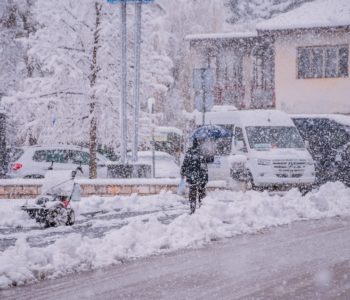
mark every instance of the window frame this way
{"type": "Point", "coordinates": [311, 73]}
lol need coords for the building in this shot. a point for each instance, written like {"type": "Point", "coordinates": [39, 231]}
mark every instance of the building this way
{"type": "Point", "coordinates": [297, 62]}
{"type": "Point", "coordinates": [243, 64]}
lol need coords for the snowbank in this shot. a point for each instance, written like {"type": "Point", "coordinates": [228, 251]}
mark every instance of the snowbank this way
{"type": "Point", "coordinates": [11, 214]}
{"type": "Point", "coordinates": [224, 214]}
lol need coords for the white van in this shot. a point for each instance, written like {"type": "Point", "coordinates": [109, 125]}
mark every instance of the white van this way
{"type": "Point", "coordinates": [266, 150]}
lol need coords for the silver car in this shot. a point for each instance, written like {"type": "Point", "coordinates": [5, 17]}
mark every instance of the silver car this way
{"type": "Point", "coordinates": [35, 161]}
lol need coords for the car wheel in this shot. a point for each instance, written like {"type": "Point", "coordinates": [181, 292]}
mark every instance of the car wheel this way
{"type": "Point", "coordinates": [248, 183]}
{"type": "Point", "coordinates": [34, 176]}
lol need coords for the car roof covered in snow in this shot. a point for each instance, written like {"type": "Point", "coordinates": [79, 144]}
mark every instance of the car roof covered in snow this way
{"type": "Point", "coordinates": [341, 119]}
{"type": "Point", "coordinates": [149, 154]}
{"type": "Point", "coordinates": [58, 146]}
{"type": "Point", "coordinates": [315, 14]}
{"type": "Point", "coordinates": [247, 118]}
{"type": "Point", "coordinates": [61, 147]}
{"type": "Point", "coordinates": [224, 35]}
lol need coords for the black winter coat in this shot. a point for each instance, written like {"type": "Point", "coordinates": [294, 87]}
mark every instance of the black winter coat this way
{"type": "Point", "coordinates": [194, 167]}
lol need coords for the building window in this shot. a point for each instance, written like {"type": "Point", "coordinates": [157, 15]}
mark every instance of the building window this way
{"type": "Point", "coordinates": [323, 62]}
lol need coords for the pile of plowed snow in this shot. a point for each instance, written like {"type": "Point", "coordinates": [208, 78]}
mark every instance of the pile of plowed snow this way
{"type": "Point", "coordinates": [223, 215]}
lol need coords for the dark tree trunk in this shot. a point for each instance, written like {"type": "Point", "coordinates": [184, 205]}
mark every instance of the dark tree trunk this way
{"type": "Point", "coordinates": [93, 77]}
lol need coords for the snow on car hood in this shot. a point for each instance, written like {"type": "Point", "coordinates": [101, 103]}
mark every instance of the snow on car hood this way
{"type": "Point", "coordinates": [284, 154]}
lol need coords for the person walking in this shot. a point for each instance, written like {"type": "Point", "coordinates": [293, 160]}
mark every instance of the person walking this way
{"type": "Point", "coordinates": [194, 168]}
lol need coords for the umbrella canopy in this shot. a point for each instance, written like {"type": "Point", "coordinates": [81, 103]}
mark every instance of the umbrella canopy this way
{"type": "Point", "coordinates": [211, 132]}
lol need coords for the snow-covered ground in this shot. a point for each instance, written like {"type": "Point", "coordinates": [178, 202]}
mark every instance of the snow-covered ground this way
{"type": "Point", "coordinates": [111, 230]}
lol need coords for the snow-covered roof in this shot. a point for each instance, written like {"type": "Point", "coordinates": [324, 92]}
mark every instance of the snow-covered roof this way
{"type": "Point", "coordinates": [224, 108]}
{"type": "Point", "coordinates": [319, 13]}
{"type": "Point", "coordinates": [168, 129]}
{"type": "Point", "coordinates": [227, 35]}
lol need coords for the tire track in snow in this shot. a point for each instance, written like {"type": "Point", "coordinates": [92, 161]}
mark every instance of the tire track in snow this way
{"type": "Point", "coordinates": [94, 225]}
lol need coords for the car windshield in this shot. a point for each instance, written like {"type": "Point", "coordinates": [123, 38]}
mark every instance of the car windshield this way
{"type": "Point", "coordinates": [62, 156]}
{"type": "Point", "coordinates": [265, 138]}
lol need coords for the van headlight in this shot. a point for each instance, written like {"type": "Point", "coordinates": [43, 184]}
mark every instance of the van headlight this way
{"type": "Point", "coordinates": [310, 162]}
{"type": "Point", "coordinates": [264, 162]}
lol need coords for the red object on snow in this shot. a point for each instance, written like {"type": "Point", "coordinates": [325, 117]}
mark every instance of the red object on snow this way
{"type": "Point", "coordinates": [16, 166]}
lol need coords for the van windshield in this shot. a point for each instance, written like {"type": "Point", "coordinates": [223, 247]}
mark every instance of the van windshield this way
{"type": "Point", "coordinates": [266, 138]}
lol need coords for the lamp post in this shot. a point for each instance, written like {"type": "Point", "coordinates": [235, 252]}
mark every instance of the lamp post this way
{"type": "Point", "coordinates": [124, 91]}
{"type": "Point", "coordinates": [137, 54]}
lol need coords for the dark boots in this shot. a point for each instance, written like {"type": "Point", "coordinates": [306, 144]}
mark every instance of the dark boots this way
{"type": "Point", "coordinates": [192, 207]}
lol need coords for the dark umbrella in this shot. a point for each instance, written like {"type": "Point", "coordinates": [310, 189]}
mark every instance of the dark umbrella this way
{"type": "Point", "coordinates": [211, 132]}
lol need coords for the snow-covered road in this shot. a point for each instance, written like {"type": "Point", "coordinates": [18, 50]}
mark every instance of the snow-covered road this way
{"type": "Point", "coordinates": [126, 231]}
{"type": "Point", "coordinates": [305, 260]}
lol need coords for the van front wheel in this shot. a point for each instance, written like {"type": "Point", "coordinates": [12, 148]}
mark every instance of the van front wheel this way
{"type": "Point", "coordinates": [248, 183]}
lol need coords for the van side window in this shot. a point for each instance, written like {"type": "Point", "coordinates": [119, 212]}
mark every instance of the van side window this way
{"type": "Point", "coordinates": [239, 138]}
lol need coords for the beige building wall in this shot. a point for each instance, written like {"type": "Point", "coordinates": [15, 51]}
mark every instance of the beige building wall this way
{"type": "Point", "coordinates": [247, 79]}
{"type": "Point", "coordinates": [316, 95]}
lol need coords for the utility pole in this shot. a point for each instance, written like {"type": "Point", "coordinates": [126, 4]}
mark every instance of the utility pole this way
{"type": "Point", "coordinates": [137, 54]}
{"type": "Point", "coordinates": [204, 93]}
{"type": "Point", "coordinates": [124, 92]}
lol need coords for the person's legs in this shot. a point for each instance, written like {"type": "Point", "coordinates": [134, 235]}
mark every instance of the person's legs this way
{"type": "Point", "coordinates": [193, 197]}
{"type": "Point", "coordinates": [201, 193]}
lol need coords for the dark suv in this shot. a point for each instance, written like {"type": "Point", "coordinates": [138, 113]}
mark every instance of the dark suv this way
{"type": "Point", "coordinates": [329, 144]}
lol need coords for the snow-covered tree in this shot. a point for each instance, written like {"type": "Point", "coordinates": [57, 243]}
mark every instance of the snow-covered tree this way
{"type": "Point", "coordinates": [77, 46]}
{"type": "Point", "coordinates": [15, 22]}
{"type": "Point", "coordinates": [176, 20]}
{"type": "Point", "coordinates": [247, 12]}
{"type": "Point", "coordinates": [69, 99]}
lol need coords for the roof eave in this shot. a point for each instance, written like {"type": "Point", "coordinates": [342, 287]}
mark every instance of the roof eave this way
{"type": "Point", "coordinates": [276, 31]}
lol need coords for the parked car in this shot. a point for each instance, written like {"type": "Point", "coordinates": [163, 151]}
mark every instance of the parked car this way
{"type": "Point", "coordinates": [328, 137]}
{"type": "Point", "coordinates": [165, 164]}
{"type": "Point", "coordinates": [35, 161]}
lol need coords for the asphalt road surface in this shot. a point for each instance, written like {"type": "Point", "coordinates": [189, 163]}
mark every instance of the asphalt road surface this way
{"type": "Point", "coordinates": [305, 260]}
